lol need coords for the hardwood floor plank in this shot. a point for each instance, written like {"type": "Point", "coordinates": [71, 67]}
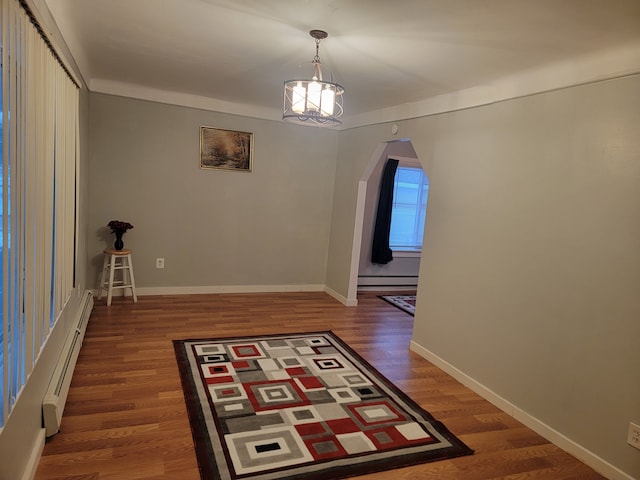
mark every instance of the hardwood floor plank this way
{"type": "Point", "coordinates": [126, 418]}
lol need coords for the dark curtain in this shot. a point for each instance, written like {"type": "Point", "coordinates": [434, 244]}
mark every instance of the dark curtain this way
{"type": "Point", "coordinates": [380, 251]}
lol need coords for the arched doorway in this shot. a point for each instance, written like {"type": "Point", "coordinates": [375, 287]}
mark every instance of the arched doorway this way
{"type": "Point", "coordinates": [403, 272]}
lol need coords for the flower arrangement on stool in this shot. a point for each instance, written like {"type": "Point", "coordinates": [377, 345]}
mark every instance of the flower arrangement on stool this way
{"type": "Point", "coordinates": [119, 228]}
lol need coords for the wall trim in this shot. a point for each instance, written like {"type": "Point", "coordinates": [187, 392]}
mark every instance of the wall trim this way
{"type": "Point", "coordinates": [34, 458]}
{"type": "Point", "coordinates": [356, 241]}
{"type": "Point", "coordinates": [229, 289]}
{"type": "Point", "coordinates": [592, 67]}
{"type": "Point", "coordinates": [123, 89]}
{"type": "Point", "coordinates": [586, 456]}
{"type": "Point", "coordinates": [353, 302]}
{"type": "Point", "coordinates": [144, 291]}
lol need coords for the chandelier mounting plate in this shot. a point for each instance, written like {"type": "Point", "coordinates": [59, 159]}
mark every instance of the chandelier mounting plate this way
{"type": "Point", "coordinates": [318, 34]}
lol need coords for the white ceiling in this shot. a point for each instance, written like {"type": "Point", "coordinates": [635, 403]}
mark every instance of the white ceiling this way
{"type": "Point", "coordinates": [233, 55]}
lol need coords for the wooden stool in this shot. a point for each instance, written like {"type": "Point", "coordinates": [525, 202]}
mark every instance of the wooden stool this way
{"type": "Point", "coordinates": [117, 260]}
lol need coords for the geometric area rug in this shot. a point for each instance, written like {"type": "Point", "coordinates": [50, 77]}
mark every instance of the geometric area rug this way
{"type": "Point", "coordinates": [403, 302]}
{"type": "Point", "coordinates": [300, 406]}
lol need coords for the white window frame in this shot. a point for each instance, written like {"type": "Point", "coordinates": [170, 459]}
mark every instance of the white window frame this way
{"type": "Point", "coordinates": [405, 252]}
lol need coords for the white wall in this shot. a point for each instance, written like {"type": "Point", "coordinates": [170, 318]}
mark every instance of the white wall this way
{"type": "Point", "coordinates": [531, 270]}
{"type": "Point", "coordinates": [215, 228]}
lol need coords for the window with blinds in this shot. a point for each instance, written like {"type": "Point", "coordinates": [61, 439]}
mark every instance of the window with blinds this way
{"type": "Point", "coordinates": [39, 123]}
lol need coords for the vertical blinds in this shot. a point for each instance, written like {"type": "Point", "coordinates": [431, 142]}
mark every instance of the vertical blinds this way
{"type": "Point", "coordinates": [39, 159]}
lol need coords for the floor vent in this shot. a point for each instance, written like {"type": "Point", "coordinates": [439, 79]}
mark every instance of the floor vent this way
{"type": "Point", "coordinates": [56, 395]}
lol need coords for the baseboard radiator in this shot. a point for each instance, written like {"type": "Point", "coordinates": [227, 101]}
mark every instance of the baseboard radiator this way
{"type": "Point", "coordinates": [406, 281]}
{"type": "Point", "coordinates": [56, 395]}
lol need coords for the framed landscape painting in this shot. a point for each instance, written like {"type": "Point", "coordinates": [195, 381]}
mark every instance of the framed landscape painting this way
{"type": "Point", "coordinates": [226, 149]}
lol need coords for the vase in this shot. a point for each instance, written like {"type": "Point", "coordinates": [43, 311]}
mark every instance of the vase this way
{"type": "Point", "coordinates": [118, 244]}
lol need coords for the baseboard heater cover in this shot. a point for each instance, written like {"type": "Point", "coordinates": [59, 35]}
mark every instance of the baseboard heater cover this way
{"type": "Point", "coordinates": [387, 280]}
{"type": "Point", "coordinates": [56, 395]}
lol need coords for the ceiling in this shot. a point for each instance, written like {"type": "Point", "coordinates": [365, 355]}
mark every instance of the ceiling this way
{"type": "Point", "coordinates": [234, 55]}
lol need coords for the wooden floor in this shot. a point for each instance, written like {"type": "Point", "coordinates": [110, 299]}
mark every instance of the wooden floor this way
{"type": "Point", "coordinates": [125, 416]}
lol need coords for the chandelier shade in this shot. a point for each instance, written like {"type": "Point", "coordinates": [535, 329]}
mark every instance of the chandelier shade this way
{"type": "Point", "coordinates": [313, 101]}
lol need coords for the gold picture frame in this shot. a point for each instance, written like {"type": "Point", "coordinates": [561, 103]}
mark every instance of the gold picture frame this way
{"type": "Point", "coordinates": [226, 149]}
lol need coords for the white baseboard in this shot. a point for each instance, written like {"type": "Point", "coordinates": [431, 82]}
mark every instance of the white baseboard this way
{"type": "Point", "coordinates": [34, 459]}
{"type": "Point", "coordinates": [143, 291]}
{"type": "Point", "coordinates": [353, 302]}
{"type": "Point", "coordinates": [228, 289]}
{"type": "Point", "coordinates": [586, 456]}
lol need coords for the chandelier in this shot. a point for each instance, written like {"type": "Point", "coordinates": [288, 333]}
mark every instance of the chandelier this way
{"type": "Point", "coordinates": [313, 101]}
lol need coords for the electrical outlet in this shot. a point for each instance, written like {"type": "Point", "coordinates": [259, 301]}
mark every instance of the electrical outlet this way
{"type": "Point", "coordinates": [633, 438]}
{"type": "Point", "coordinates": [159, 262]}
